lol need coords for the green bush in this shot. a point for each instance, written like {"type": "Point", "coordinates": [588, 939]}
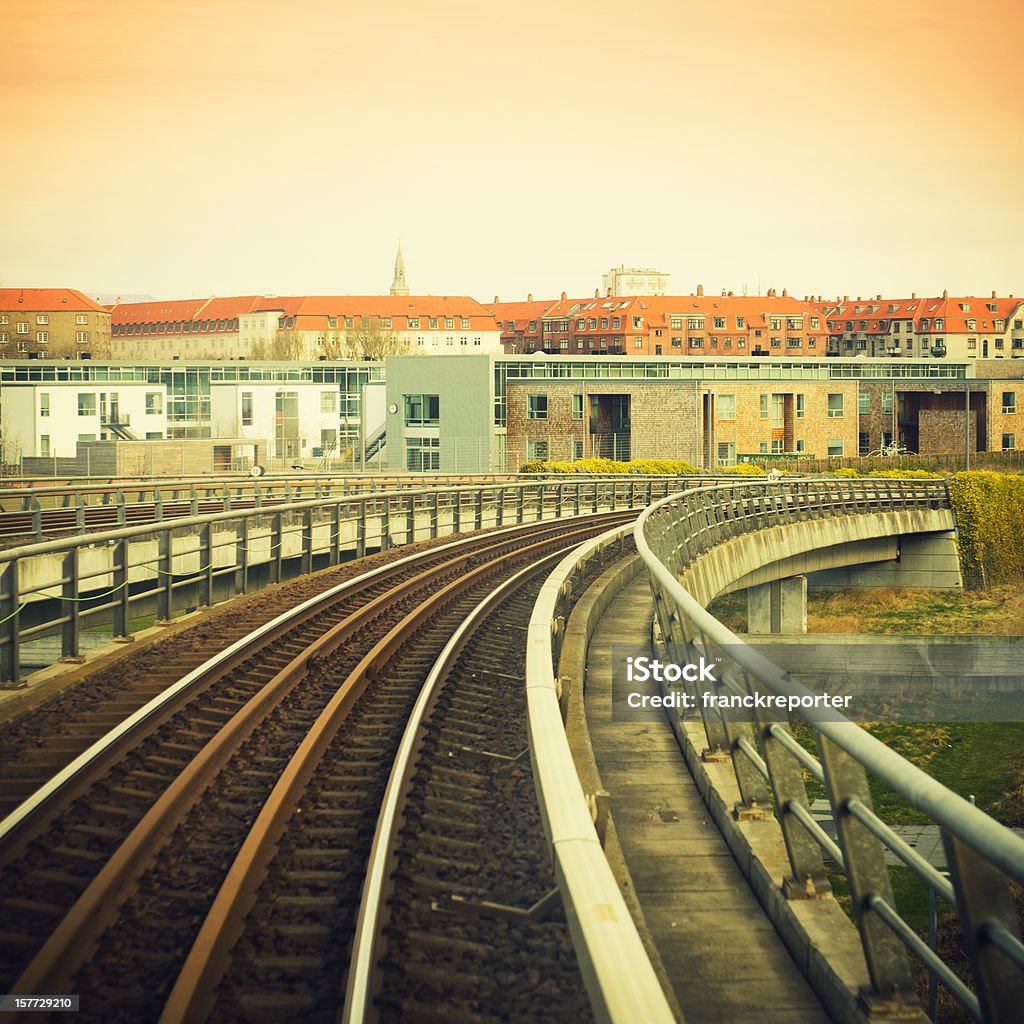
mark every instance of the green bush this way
{"type": "Point", "coordinates": [742, 469]}
{"type": "Point", "coordinates": [906, 474]}
{"type": "Point", "coordinates": [646, 467]}
{"type": "Point", "coordinates": [989, 509]}
{"type": "Point", "coordinates": [846, 471]}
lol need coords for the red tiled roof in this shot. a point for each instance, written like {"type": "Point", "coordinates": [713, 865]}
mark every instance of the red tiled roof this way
{"type": "Point", "coordinates": [227, 308]}
{"type": "Point", "coordinates": [48, 300]}
{"type": "Point", "coordinates": [312, 310]}
{"type": "Point", "coordinates": [874, 312]}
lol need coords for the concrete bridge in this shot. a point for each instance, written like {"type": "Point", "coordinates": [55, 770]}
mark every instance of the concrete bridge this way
{"type": "Point", "coordinates": [708, 951]}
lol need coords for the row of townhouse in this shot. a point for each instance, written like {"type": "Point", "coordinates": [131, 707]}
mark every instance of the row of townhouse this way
{"type": "Point", "coordinates": [302, 327]}
{"type": "Point", "coordinates": [698, 325]}
{"type": "Point", "coordinates": [955, 327]}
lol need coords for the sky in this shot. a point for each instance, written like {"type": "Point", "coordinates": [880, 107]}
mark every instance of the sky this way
{"type": "Point", "coordinates": [194, 147]}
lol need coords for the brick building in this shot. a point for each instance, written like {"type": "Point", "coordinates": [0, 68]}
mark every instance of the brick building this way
{"type": "Point", "coordinates": [703, 326]}
{"type": "Point", "coordinates": [954, 327]}
{"type": "Point", "coordinates": [52, 323]}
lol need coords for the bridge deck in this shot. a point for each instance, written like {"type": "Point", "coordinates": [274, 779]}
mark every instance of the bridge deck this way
{"type": "Point", "coordinates": [723, 956]}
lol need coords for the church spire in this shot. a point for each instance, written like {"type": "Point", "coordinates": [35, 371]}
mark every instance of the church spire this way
{"type": "Point", "coordinates": [399, 286]}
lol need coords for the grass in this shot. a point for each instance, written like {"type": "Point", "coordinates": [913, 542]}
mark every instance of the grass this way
{"type": "Point", "coordinates": [888, 611]}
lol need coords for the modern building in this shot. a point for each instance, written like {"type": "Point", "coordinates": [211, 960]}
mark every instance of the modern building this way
{"type": "Point", "coordinates": [52, 323]}
{"type": "Point", "coordinates": [484, 414]}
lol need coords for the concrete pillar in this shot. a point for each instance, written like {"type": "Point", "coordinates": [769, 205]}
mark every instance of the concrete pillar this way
{"type": "Point", "coordinates": [778, 607]}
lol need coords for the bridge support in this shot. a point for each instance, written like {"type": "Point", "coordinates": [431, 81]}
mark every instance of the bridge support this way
{"type": "Point", "coordinates": [778, 607]}
{"type": "Point", "coordinates": [923, 560]}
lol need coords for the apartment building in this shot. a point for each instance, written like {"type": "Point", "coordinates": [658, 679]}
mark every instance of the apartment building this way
{"type": "Point", "coordinates": [302, 327]}
{"type": "Point", "coordinates": [955, 327]}
{"type": "Point", "coordinates": [708, 326]}
{"type": "Point", "coordinates": [52, 323]}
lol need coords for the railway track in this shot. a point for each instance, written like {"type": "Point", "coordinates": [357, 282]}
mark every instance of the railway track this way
{"type": "Point", "coordinates": [269, 764]}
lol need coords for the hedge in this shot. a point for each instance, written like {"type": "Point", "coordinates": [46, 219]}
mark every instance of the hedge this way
{"type": "Point", "coordinates": [989, 510]}
{"type": "Point", "coordinates": [646, 467]}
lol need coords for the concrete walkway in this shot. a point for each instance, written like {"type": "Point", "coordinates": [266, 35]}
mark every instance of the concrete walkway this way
{"type": "Point", "coordinates": [723, 956]}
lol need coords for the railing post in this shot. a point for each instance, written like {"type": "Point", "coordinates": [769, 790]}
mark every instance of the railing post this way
{"type": "Point", "coordinates": [868, 876]}
{"type": "Point", "coordinates": [10, 602]}
{"type": "Point", "coordinates": [242, 556]}
{"type": "Point", "coordinates": [120, 577]}
{"type": "Point", "coordinates": [457, 511]}
{"type": "Point", "coordinates": [410, 520]}
{"type": "Point", "coordinates": [984, 898]}
{"type": "Point", "coordinates": [122, 509]}
{"type": "Point", "coordinates": [520, 503]}
{"type": "Point", "coordinates": [71, 628]}
{"type": "Point", "coordinates": [165, 580]}
{"type": "Point", "coordinates": [80, 512]}
{"type": "Point", "coordinates": [193, 500]}
{"type": "Point", "coordinates": [307, 542]}
{"type": "Point", "coordinates": [500, 512]}
{"type": "Point", "coordinates": [385, 523]}
{"type": "Point", "coordinates": [277, 547]}
{"type": "Point", "coordinates": [479, 511]}
{"type": "Point", "coordinates": [158, 505]}
{"type": "Point", "coordinates": [434, 509]}
{"type": "Point", "coordinates": [205, 594]}
{"type": "Point", "coordinates": [37, 518]}
{"type": "Point", "coordinates": [336, 532]}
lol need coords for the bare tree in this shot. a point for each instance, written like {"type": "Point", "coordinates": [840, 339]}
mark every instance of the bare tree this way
{"type": "Point", "coordinates": [289, 344]}
{"type": "Point", "coordinates": [369, 340]}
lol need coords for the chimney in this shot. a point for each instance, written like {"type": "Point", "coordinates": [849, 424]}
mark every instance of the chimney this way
{"type": "Point", "coordinates": [496, 300]}
{"type": "Point", "coordinates": [846, 298]}
{"type": "Point", "coordinates": [878, 298]}
{"type": "Point", "coordinates": [993, 295]}
{"type": "Point", "coordinates": [608, 294]}
{"type": "Point", "coordinates": [529, 297]}
{"type": "Point", "coordinates": [913, 295]}
{"type": "Point", "coordinates": [597, 293]}
{"type": "Point", "coordinates": [784, 293]}
{"type": "Point", "coordinates": [700, 289]}
{"type": "Point", "coordinates": [723, 291]}
{"type": "Point", "coordinates": [731, 294]}
{"type": "Point", "coordinates": [564, 296]}
{"type": "Point", "coordinates": [945, 293]}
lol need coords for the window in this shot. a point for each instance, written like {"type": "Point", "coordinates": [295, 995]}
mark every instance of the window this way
{"type": "Point", "coordinates": [777, 447]}
{"type": "Point", "coordinates": [577, 407]}
{"type": "Point", "coordinates": [42, 337]}
{"type": "Point", "coordinates": [695, 323]}
{"type": "Point", "coordinates": [697, 342]}
{"type": "Point", "coordinates": [763, 447]}
{"type": "Point", "coordinates": [246, 408]}
{"type": "Point", "coordinates": [4, 319]}
{"type": "Point", "coordinates": [328, 438]}
{"type": "Point", "coordinates": [577, 450]}
{"type": "Point", "coordinates": [422, 454]}
{"type": "Point", "coordinates": [764, 406]}
{"type": "Point", "coordinates": [1009, 442]}
{"type": "Point", "coordinates": [727, 407]}
{"type": "Point", "coordinates": [887, 402]}
{"type": "Point", "coordinates": [44, 445]}
{"type": "Point", "coordinates": [82, 319]}
{"type": "Point", "coordinates": [449, 323]}
{"type": "Point", "coordinates": [82, 337]}
{"type": "Point", "coordinates": [44, 404]}
{"type": "Point", "coordinates": [154, 403]}
{"type": "Point", "coordinates": [42, 318]}
{"type": "Point", "coordinates": [1009, 401]}
{"type": "Point", "coordinates": [800, 410]}
{"type": "Point", "coordinates": [616, 323]}
{"type": "Point", "coordinates": [741, 323]}
{"type": "Point", "coordinates": [465, 322]}
{"type": "Point", "coordinates": [536, 407]}
{"type": "Point", "coordinates": [22, 327]}
{"type": "Point", "coordinates": [432, 321]}
{"type": "Point", "coordinates": [863, 443]}
{"type": "Point", "coordinates": [719, 322]}
{"type": "Point", "coordinates": [864, 403]}
{"type": "Point", "coordinates": [835, 407]}
{"type": "Point", "coordinates": [536, 448]}
{"type": "Point", "coordinates": [836, 447]}
{"type": "Point", "coordinates": [422, 411]}
{"type": "Point", "coordinates": [727, 453]}
{"type": "Point", "coordinates": [414, 323]}
{"type": "Point", "coordinates": [87, 405]}
{"type": "Point", "coordinates": [86, 437]}
{"type": "Point", "coordinates": [328, 401]}
{"type": "Point", "coordinates": [801, 447]}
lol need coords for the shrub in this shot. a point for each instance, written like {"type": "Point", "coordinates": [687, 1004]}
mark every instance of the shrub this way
{"type": "Point", "coordinates": [989, 509]}
{"type": "Point", "coordinates": [742, 469]}
{"type": "Point", "coordinates": [845, 471]}
{"type": "Point", "coordinates": [647, 467]}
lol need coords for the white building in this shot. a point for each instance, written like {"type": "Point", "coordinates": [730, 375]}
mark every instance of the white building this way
{"type": "Point", "coordinates": [634, 281]}
{"type": "Point", "coordinates": [293, 418]}
{"type": "Point", "coordinates": [49, 419]}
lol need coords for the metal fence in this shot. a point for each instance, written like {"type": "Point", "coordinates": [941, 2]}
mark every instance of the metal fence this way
{"type": "Point", "coordinates": [985, 858]}
{"type": "Point", "coordinates": [58, 590]}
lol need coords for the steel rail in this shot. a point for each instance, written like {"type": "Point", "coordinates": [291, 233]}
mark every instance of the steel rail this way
{"type": "Point", "coordinates": [367, 942]}
{"type": "Point", "coordinates": [204, 966]}
{"type": "Point", "coordinates": [119, 739]}
{"type": "Point", "coordinates": [54, 965]}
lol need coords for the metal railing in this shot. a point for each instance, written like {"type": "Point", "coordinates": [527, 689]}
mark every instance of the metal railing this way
{"type": "Point", "coordinates": [984, 857]}
{"type": "Point", "coordinates": [107, 581]}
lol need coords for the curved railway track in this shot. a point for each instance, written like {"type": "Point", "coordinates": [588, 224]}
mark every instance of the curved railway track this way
{"type": "Point", "coordinates": [108, 873]}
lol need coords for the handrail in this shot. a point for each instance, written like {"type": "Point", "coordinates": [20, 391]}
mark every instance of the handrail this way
{"type": "Point", "coordinates": [978, 847]}
{"type": "Point", "coordinates": [620, 980]}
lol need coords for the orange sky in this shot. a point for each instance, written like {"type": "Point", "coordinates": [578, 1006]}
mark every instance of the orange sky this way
{"type": "Point", "coordinates": [182, 148]}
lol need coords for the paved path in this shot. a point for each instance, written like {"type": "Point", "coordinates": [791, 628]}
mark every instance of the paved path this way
{"type": "Point", "coordinates": [723, 956]}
